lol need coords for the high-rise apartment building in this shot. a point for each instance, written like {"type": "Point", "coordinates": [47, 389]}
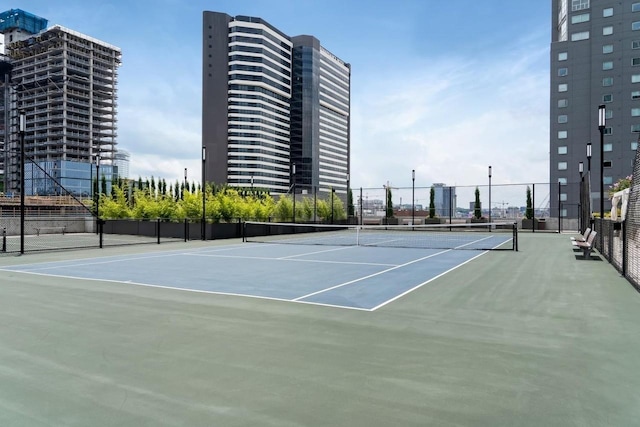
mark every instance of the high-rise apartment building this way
{"type": "Point", "coordinates": [595, 60]}
{"type": "Point", "coordinates": [275, 109]}
{"type": "Point", "coordinates": [65, 82]}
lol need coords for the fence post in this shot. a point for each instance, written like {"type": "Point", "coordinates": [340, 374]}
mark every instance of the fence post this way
{"type": "Point", "coordinates": [4, 239]}
{"type": "Point", "coordinates": [158, 229]}
{"type": "Point", "coordinates": [624, 248]}
{"type": "Point", "coordinates": [186, 229]}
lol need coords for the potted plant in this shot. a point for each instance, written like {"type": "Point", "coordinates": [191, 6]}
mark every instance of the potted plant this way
{"type": "Point", "coordinates": [477, 209]}
{"type": "Point", "coordinates": [432, 218]}
{"type": "Point", "coordinates": [528, 222]}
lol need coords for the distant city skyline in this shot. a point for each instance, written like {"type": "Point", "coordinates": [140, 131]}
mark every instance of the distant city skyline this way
{"type": "Point", "coordinates": [444, 100]}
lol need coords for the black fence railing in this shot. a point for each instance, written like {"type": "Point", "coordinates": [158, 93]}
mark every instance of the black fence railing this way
{"type": "Point", "coordinates": [63, 233]}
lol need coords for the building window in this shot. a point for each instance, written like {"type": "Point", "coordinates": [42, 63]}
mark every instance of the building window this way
{"type": "Point", "coordinates": [608, 131]}
{"type": "Point", "coordinates": [634, 145]}
{"type": "Point", "coordinates": [579, 5]}
{"type": "Point", "coordinates": [635, 94]}
{"type": "Point", "coordinates": [563, 213]}
{"type": "Point", "coordinates": [607, 48]}
{"type": "Point", "coordinates": [607, 81]}
{"type": "Point", "coordinates": [607, 163]}
{"type": "Point", "coordinates": [563, 87]}
{"type": "Point", "coordinates": [607, 180]}
{"type": "Point", "coordinates": [607, 147]}
{"type": "Point", "coordinates": [635, 44]}
{"type": "Point", "coordinates": [635, 128]}
{"type": "Point", "coordinates": [607, 12]}
{"type": "Point", "coordinates": [635, 62]}
{"type": "Point", "coordinates": [562, 181]}
{"type": "Point", "coordinates": [562, 56]}
{"type": "Point", "coordinates": [635, 112]}
{"type": "Point", "coordinates": [562, 118]}
{"type": "Point", "coordinates": [564, 71]}
{"type": "Point", "coordinates": [635, 26]}
{"type": "Point", "coordinates": [562, 166]}
{"type": "Point", "coordinates": [563, 103]}
{"type": "Point", "coordinates": [562, 134]}
{"type": "Point", "coordinates": [607, 98]}
{"type": "Point", "coordinates": [562, 149]}
{"type": "Point", "coordinates": [635, 78]}
{"type": "Point", "coordinates": [635, 7]}
{"type": "Point", "coordinates": [583, 35]}
{"type": "Point", "coordinates": [583, 17]}
{"type": "Point", "coordinates": [563, 198]}
{"type": "Point", "coordinates": [607, 31]}
{"type": "Point", "coordinates": [609, 114]}
{"type": "Point", "coordinates": [607, 65]}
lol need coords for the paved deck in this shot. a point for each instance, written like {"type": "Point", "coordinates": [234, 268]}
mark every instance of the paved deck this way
{"type": "Point", "coordinates": [528, 338]}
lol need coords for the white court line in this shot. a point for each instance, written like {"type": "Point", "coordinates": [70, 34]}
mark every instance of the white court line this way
{"type": "Point", "coordinates": [103, 260]}
{"type": "Point", "coordinates": [425, 282]}
{"type": "Point", "coordinates": [289, 259]}
{"type": "Point", "coordinates": [371, 275]}
{"type": "Point", "coordinates": [315, 252]}
{"type": "Point", "coordinates": [200, 291]}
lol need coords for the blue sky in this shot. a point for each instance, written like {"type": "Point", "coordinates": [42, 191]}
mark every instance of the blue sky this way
{"type": "Point", "coordinates": [445, 87]}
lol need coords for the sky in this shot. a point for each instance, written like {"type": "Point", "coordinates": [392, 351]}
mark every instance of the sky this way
{"type": "Point", "coordinates": [442, 87]}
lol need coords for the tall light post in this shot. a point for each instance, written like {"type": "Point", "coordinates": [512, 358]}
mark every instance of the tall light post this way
{"type": "Point", "coordinates": [580, 217]}
{"type": "Point", "coordinates": [588, 156]}
{"type": "Point", "coordinates": [489, 194]}
{"type": "Point", "coordinates": [185, 182]}
{"type": "Point", "coordinates": [293, 186]}
{"type": "Point", "coordinates": [333, 190]}
{"type": "Point", "coordinates": [602, 122]}
{"type": "Point", "coordinates": [204, 159]}
{"type": "Point", "coordinates": [413, 197]}
{"type": "Point", "coordinates": [21, 129]}
{"type": "Point", "coordinates": [98, 189]}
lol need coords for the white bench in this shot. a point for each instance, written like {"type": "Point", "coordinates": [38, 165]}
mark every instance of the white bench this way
{"type": "Point", "coordinates": [587, 247]}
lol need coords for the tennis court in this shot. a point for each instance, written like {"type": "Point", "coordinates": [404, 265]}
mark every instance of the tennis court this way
{"type": "Point", "coordinates": [341, 276]}
{"type": "Point", "coordinates": [530, 337]}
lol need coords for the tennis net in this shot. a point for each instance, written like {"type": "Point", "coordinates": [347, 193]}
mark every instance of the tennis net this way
{"type": "Point", "coordinates": [478, 236]}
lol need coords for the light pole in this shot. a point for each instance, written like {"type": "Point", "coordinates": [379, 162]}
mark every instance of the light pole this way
{"type": "Point", "coordinates": [413, 197]}
{"type": "Point", "coordinates": [21, 130]}
{"type": "Point", "coordinates": [489, 194]}
{"type": "Point", "coordinates": [204, 158]}
{"type": "Point", "coordinates": [588, 156]}
{"type": "Point", "coordinates": [580, 218]}
{"type": "Point", "coordinates": [293, 186]}
{"type": "Point", "coordinates": [98, 188]}
{"type": "Point", "coordinates": [185, 182]}
{"type": "Point", "coordinates": [602, 122]}
{"type": "Point", "coordinates": [333, 190]}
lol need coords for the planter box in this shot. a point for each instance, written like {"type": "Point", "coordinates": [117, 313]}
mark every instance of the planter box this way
{"type": "Point", "coordinates": [434, 221]}
{"type": "Point", "coordinates": [476, 220]}
{"type": "Point", "coordinates": [539, 224]}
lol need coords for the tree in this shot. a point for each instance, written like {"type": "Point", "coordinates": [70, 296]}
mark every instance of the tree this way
{"type": "Point", "coordinates": [432, 203]}
{"type": "Point", "coordinates": [529, 211]}
{"type": "Point", "coordinates": [103, 184]}
{"type": "Point", "coordinates": [389, 212]}
{"type": "Point", "coordinates": [477, 211]}
{"type": "Point", "coordinates": [350, 207]}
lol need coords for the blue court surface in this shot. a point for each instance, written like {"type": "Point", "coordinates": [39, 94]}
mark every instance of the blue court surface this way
{"type": "Point", "coordinates": [354, 277]}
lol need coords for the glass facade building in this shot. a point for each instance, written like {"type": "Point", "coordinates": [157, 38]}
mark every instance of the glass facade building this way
{"type": "Point", "coordinates": [270, 102]}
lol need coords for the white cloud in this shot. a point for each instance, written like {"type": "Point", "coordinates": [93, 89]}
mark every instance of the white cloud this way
{"type": "Point", "coordinates": [450, 122]}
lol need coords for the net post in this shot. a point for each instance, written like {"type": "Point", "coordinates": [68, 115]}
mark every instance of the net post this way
{"type": "Point", "coordinates": [100, 232]}
{"type": "Point", "coordinates": [158, 229]}
{"type": "Point", "coordinates": [515, 236]}
{"type": "Point", "coordinates": [244, 231]}
{"type": "Point", "coordinates": [186, 229]}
